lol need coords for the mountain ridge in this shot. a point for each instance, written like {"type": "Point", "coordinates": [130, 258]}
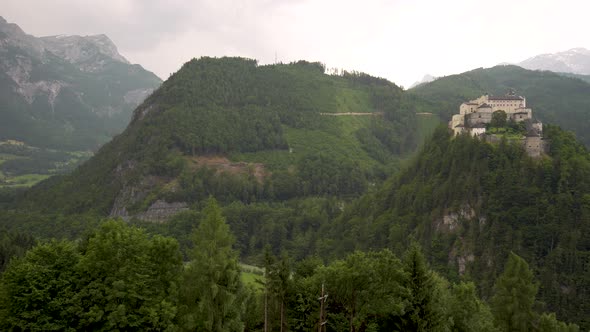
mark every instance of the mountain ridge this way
{"type": "Point", "coordinates": [575, 61]}
{"type": "Point", "coordinates": [66, 92]}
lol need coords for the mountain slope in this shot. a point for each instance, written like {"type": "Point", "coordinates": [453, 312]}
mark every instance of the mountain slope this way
{"type": "Point", "coordinates": [469, 203]}
{"type": "Point", "coordinates": [238, 131]}
{"type": "Point", "coordinates": [554, 98]}
{"type": "Point", "coordinates": [575, 61]}
{"type": "Point", "coordinates": [66, 92]}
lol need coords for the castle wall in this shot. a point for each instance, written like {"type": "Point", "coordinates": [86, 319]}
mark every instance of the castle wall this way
{"type": "Point", "coordinates": [467, 108]}
{"type": "Point", "coordinates": [479, 118]}
{"type": "Point", "coordinates": [534, 146]}
{"type": "Point", "coordinates": [522, 115]}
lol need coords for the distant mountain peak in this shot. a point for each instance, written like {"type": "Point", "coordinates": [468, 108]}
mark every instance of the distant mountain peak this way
{"type": "Point", "coordinates": [78, 49]}
{"type": "Point", "coordinates": [83, 51]}
{"type": "Point", "coordinates": [426, 79]}
{"type": "Point", "coordinates": [575, 60]}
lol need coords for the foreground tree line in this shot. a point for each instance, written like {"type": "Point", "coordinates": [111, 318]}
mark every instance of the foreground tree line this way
{"type": "Point", "coordinates": [121, 278]}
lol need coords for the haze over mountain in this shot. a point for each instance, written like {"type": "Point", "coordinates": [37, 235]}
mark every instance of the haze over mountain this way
{"type": "Point", "coordinates": [426, 79]}
{"type": "Point", "coordinates": [66, 92]}
{"type": "Point", "coordinates": [575, 61]}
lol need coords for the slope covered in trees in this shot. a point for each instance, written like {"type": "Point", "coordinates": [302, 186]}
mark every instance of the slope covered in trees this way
{"type": "Point", "coordinates": [272, 125]}
{"type": "Point", "coordinates": [554, 98]}
{"type": "Point", "coordinates": [469, 203]}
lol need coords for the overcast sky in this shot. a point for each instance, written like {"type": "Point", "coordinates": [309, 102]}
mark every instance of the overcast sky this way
{"type": "Point", "coordinates": [400, 40]}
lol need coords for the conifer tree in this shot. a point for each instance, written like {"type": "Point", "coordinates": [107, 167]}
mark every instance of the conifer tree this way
{"type": "Point", "coordinates": [513, 300]}
{"type": "Point", "coordinates": [425, 310]}
{"type": "Point", "coordinates": [212, 288]}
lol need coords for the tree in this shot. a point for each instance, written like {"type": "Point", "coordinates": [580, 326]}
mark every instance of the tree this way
{"type": "Point", "coordinates": [368, 289]}
{"type": "Point", "coordinates": [128, 280]}
{"type": "Point", "coordinates": [467, 311]}
{"type": "Point", "coordinates": [37, 290]}
{"type": "Point", "coordinates": [515, 290]}
{"type": "Point", "coordinates": [212, 288]}
{"type": "Point", "coordinates": [549, 323]}
{"type": "Point", "coordinates": [425, 311]}
{"type": "Point", "coordinates": [498, 119]}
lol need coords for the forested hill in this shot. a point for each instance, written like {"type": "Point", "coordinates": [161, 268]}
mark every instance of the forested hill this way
{"type": "Point", "coordinates": [238, 131]}
{"type": "Point", "coordinates": [469, 203]}
{"type": "Point", "coordinates": [554, 98]}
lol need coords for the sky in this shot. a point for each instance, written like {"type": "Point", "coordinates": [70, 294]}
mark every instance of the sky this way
{"type": "Point", "coordinates": [401, 40]}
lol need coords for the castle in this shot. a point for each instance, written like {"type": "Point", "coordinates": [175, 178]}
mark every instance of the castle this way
{"type": "Point", "coordinates": [475, 117]}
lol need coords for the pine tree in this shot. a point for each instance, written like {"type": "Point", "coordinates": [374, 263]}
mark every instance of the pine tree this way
{"type": "Point", "coordinates": [514, 296]}
{"type": "Point", "coordinates": [212, 287]}
{"type": "Point", "coordinates": [425, 310]}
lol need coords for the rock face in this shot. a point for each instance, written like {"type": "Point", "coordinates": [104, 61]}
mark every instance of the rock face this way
{"type": "Point", "coordinates": [66, 92]}
{"type": "Point", "coordinates": [161, 211]}
{"type": "Point", "coordinates": [576, 61]}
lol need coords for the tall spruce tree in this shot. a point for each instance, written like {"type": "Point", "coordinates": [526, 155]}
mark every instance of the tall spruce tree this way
{"type": "Point", "coordinates": [212, 288]}
{"type": "Point", "coordinates": [425, 311]}
{"type": "Point", "coordinates": [513, 300]}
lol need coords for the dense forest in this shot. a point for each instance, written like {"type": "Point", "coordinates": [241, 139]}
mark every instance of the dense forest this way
{"type": "Point", "coordinates": [469, 203]}
{"type": "Point", "coordinates": [118, 277]}
{"type": "Point", "coordinates": [286, 192]}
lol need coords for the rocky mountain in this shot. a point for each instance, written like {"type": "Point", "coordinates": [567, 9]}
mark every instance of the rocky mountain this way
{"type": "Point", "coordinates": [576, 61]}
{"type": "Point", "coordinates": [66, 92]}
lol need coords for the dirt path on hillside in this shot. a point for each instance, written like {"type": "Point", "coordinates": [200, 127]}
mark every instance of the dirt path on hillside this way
{"type": "Point", "coordinates": [353, 113]}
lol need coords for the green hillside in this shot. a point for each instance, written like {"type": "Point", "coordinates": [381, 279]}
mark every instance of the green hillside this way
{"type": "Point", "coordinates": [238, 131]}
{"type": "Point", "coordinates": [554, 98]}
{"type": "Point", "coordinates": [470, 203]}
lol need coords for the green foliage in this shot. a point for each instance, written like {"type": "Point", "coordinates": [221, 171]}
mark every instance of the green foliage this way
{"type": "Point", "coordinates": [467, 311]}
{"type": "Point", "coordinates": [129, 280]}
{"type": "Point", "coordinates": [514, 296]}
{"type": "Point", "coordinates": [37, 290]}
{"type": "Point", "coordinates": [212, 290]}
{"type": "Point", "coordinates": [462, 197]}
{"type": "Point", "coordinates": [548, 323]}
{"type": "Point", "coordinates": [233, 106]}
{"type": "Point", "coordinates": [498, 119]}
{"type": "Point", "coordinates": [426, 310]}
{"type": "Point", "coordinates": [13, 244]}
{"type": "Point", "coordinates": [117, 278]}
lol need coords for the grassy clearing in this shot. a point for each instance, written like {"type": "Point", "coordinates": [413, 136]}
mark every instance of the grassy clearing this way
{"type": "Point", "coordinates": [337, 136]}
{"type": "Point", "coordinates": [26, 180]}
{"type": "Point", "coordinates": [252, 275]}
{"type": "Point", "coordinates": [252, 279]}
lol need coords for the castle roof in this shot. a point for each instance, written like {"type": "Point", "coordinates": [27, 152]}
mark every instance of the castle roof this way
{"type": "Point", "coordinates": [484, 105]}
{"type": "Point", "coordinates": [505, 98]}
